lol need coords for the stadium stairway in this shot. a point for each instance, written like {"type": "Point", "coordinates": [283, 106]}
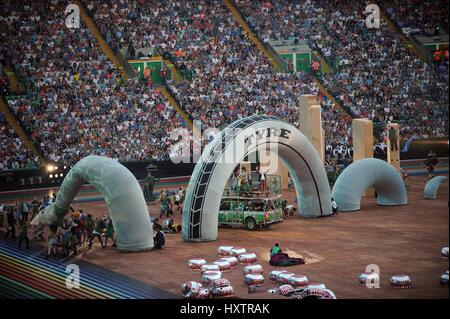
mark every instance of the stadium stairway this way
{"type": "Point", "coordinates": [406, 42]}
{"type": "Point", "coordinates": [87, 20]}
{"type": "Point", "coordinates": [176, 106]}
{"type": "Point", "coordinates": [337, 105]}
{"type": "Point", "coordinates": [273, 61]}
{"type": "Point", "coordinates": [14, 84]}
{"type": "Point", "coordinates": [19, 130]}
{"type": "Point", "coordinates": [251, 36]}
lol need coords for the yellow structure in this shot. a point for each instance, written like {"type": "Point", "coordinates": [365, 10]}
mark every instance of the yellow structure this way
{"type": "Point", "coordinates": [393, 151]}
{"type": "Point", "coordinates": [311, 122]}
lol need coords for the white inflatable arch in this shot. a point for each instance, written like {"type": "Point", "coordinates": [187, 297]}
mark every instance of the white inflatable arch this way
{"type": "Point", "coordinates": [431, 187]}
{"type": "Point", "coordinates": [242, 138]}
{"type": "Point", "coordinates": [364, 173]}
{"type": "Point", "coordinates": [122, 194]}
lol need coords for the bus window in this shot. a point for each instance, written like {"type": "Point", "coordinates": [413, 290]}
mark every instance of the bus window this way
{"type": "Point", "coordinates": [259, 206]}
{"type": "Point", "coordinates": [225, 205]}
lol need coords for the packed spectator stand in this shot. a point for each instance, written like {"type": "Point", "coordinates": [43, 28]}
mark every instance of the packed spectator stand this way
{"type": "Point", "coordinates": [375, 75]}
{"type": "Point", "coordinates": [76, 102]}
{"type": "Point", "coordinates": [229, 78]}
{"type": "Point", "coordinates": [419, 17]}
{"type": "Point", "coordinates": [13, 154]}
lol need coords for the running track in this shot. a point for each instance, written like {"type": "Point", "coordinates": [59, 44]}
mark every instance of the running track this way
{"type": "Point", "coordinates": [25, 274]}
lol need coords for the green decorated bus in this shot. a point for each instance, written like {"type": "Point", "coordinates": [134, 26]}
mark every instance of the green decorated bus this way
{"type": "Point", "coordinates": [250, 205]}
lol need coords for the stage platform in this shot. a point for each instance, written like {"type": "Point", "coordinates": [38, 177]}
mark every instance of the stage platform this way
{"type": "Point", "coordinates": [400, 240]}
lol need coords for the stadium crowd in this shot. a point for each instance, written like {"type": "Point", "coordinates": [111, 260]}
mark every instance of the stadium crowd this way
{"type": "Point", "coordinates": [77, 103]}
{"type": "Point", "coordinates": [229, 77]}
{"type": "Point", "coordinates": [418, 16]}
{"type": "Point", "coordinates": [375, 76]}
{"type": "Point", "coordinates": [13, 154]}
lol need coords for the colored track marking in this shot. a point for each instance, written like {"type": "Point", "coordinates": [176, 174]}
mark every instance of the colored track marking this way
{"type": "Point", "coordinates": [27, 275]}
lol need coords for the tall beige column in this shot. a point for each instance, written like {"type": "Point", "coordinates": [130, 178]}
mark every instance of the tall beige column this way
{"type": "Point", "coordinates": [363, 143]}
{"type": "Point", "coordinates": [362, 139]}
{"type": "Point", "coordinates": [393, 153]}
{"type": "Point", "coordinates": [311, 122]}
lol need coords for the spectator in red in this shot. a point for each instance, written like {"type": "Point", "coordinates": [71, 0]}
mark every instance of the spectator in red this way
{"type": "Point", "coordinates": [315, 66]}
{"type": "Point", "coordinates": [147, 73]}
{"type": "Point", "coordinates": [437, 56]}
{"type": "Point", "coordinates": [163, 75]}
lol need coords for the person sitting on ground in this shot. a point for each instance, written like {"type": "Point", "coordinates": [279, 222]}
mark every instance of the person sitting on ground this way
{"type": "Point", "coordinates": [283, 259]}
{"type": "Point", "coordinates": [159, 240]}
{"type": "Point", "coordinates": [170, 226]}
{"type": "Point", "coordinates": [275, 249]}
{"type": "Point", "coordinates": [156, 225]}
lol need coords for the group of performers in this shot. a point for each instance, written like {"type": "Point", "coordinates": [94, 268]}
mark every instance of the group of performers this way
{"type": "Point", "coordinates": [241, 183]}
{"type": "Point", "coordinates": [170, 204]}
